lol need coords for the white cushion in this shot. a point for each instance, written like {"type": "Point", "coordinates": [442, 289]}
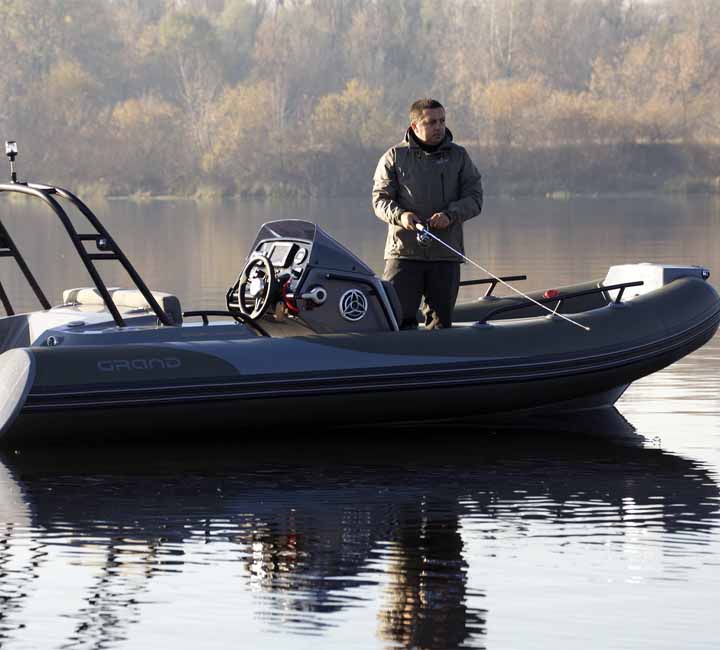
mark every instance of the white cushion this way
{"type": "Point", "coordinates": [127, 298]}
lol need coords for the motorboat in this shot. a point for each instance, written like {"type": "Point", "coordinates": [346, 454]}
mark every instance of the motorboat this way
{"type": "Point", "coordinates": [310, 334]}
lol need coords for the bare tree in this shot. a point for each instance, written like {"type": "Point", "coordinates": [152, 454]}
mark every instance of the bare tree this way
{"type": "Point", "coordinates": [191, 50]}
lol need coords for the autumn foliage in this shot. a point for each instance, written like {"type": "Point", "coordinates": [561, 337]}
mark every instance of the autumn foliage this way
{"type": "Point", "coordinates": [302, 96]}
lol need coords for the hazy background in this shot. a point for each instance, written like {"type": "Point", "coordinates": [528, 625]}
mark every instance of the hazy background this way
{"type": "Point", "coordinates": [217, 97]}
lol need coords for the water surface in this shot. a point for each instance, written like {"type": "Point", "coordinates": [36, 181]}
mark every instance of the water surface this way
{"type": "Point", "coordinates": [598, 533]}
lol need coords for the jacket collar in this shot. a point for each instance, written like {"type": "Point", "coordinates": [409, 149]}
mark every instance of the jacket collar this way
{"type": "Point", "coordinates": [413, 143]}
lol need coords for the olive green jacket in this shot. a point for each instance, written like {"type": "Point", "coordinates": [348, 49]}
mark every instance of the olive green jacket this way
{"type": "Point", "coordinates": [408, 178]}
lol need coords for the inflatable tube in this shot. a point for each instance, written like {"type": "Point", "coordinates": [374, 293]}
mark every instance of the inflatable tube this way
{"type": "Point", "coordinates": [17, 373]}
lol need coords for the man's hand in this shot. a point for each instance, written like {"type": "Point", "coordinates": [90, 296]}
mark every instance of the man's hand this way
{"type": "Point", "coordinates": [408, 220]}
{"type": "Point", "coordinates": [439, 221]}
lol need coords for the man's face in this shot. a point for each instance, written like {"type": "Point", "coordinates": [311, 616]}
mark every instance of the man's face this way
{"type": "Point", "coordinates": [429, 128]}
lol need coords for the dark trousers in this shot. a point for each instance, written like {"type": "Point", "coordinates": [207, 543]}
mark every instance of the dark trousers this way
{"type": "Point", "coordinates": [437, 282]}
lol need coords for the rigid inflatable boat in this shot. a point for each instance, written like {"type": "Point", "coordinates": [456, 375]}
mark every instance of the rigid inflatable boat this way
{"type": "Point", "coordinates": [310, 334]}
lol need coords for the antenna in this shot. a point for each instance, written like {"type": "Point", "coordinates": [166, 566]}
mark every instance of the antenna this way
{"type": "Point", "coordinates": [11, 150]}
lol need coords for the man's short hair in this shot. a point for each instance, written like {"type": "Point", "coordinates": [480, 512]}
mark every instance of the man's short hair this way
{"type": "Point", "coordinates": [416, 110]}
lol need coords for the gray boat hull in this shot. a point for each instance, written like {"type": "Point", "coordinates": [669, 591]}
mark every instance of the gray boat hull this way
{"type": "Point", "coordinates": [228, 387]}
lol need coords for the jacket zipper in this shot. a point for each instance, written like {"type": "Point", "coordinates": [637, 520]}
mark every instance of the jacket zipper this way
{"type": "Point", "coordinates": [442, 185]}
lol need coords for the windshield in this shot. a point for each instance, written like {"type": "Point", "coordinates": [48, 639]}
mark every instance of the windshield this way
{"type": "Point", "coordinates": [325, 251]}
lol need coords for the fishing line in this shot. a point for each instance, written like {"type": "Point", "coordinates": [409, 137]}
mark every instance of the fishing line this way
{"type": "Point", "coordinates": [426, 232]}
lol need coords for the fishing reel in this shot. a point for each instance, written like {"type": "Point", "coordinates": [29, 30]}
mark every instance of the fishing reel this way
{"type": "Point", "coordinates": [423, 237]}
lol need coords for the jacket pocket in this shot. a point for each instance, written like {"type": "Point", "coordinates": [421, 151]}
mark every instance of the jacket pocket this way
{"type": "Point", "coordinates": [394, 241]}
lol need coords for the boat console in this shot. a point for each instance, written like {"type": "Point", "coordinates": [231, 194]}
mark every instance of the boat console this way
{"type": "Point", "coordinates": [297, 277]}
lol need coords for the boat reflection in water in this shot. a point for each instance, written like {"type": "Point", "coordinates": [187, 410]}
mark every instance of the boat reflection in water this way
{"type": "Point", "coordinates": [302, 543]}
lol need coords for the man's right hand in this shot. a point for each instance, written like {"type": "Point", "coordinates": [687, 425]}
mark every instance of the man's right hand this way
{"type": "Point", "coordinates": [408, 220]}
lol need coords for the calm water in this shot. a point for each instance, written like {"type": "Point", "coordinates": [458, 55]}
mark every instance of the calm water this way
{"type": "Point", "coordinates": [603, 533]}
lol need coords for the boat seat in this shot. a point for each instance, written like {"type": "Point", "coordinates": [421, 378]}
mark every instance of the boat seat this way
{"type": "Point", "coordinates": [130, 299]}
{"type": "Point", "coordinates": [394, 301]}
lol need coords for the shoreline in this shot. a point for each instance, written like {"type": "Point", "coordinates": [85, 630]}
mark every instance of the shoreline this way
{"type": "Point", "coordinates": [555, 195]}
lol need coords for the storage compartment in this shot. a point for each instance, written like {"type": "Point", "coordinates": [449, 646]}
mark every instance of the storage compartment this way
{"type": "Point", "coordinates": [653, 276]}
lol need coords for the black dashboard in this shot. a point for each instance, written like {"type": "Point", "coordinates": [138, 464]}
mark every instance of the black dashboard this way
{"type": "Point", "coordinates": [288, 258]}
{"type": "Point", "coordinates": [285, 254]}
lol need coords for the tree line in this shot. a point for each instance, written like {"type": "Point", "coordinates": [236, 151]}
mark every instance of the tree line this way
{"type": "Point", "coordinates": [227, 97]}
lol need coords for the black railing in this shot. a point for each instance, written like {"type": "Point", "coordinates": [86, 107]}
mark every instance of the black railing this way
{"type": "Point", "coordinates": [559, 299]}
{"type": "Point", "coordinates": [493, 282]}
{"type": "Point", "coordinates": [104, 242]}
{"type": "Point", "coordinates": [9, 249]}
{"type": "Point", "coordinates": [237, 316]}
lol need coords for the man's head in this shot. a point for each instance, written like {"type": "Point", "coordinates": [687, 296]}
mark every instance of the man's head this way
{"type": "Point", "coordinates": [427, 120]}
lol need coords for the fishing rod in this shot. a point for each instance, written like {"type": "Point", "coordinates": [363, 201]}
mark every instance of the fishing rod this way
{"type": "Point", "coordinates": [425, 233]}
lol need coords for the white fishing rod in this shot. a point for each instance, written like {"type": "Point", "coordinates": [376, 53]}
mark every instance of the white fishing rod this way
{"type": "Point", "coordinates": [425, 232]}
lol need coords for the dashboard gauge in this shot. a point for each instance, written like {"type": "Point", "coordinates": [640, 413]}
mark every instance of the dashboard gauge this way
{"type": "Point", "coordinates": [300, 256]}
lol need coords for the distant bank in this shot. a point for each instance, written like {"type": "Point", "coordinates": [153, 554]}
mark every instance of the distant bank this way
{"type": "Point", "coordinates": [551, 172]}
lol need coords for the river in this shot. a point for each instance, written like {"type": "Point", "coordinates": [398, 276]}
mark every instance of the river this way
{"type": "Point", "coordinates": [603, 533]}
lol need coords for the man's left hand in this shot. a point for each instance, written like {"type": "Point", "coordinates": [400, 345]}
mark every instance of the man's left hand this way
{"type": "Point", "coordinates": [439, 221]}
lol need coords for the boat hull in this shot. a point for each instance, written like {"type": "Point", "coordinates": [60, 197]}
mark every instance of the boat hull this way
{"type": "Point", "coordinates": [230, 387]}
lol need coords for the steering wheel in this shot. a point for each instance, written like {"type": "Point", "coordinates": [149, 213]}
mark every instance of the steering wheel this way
{"type": "Point", "coordinates": [257, 287]}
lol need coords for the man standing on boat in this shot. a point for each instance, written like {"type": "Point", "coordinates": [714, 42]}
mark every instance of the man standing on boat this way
{"type": "Point", "coordinates": [426, 179]}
